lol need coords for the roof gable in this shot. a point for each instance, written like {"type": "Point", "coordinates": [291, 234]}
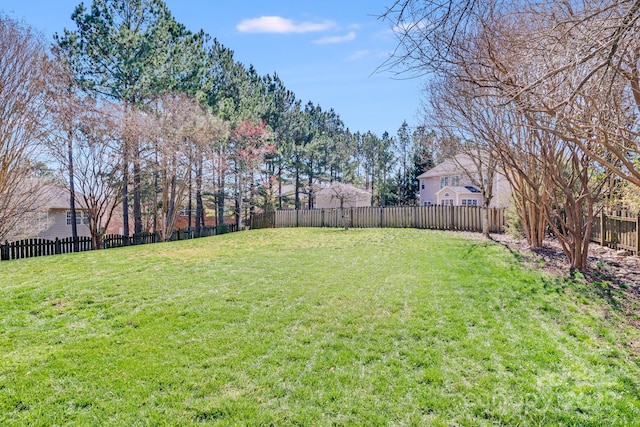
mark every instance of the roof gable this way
{"type": "Point", "coordinates": [467, 190]}
{"type": "Point", "coordinates": [340, 188]}
{"type": "Point", "coordinates": [55, 197]}
{"type": "Point", "coordinates": [459, 165]}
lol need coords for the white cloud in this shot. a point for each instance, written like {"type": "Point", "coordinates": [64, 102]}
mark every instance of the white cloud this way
{"type": "Point", "coordinates": [277, 24]}
{"type": "Point", "coordinates": [366, 53]}
{"type": "Point", "coordinates": [337, 39]}
{"type": "Point", "coordinates": [359, 55]}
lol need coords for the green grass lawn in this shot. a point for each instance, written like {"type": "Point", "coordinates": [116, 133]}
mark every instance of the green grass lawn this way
{"type": "Point", "coordinates": [309, 327]}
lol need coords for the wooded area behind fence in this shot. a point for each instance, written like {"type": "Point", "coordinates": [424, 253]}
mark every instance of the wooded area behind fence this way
{"type": "Point", "coordinates": [461, 218]}
{"type": "Point", "coordinates": [29, 248]}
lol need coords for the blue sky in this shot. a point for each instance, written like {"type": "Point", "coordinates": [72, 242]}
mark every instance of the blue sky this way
{"type": "Point", "coordinates": [324, 51]}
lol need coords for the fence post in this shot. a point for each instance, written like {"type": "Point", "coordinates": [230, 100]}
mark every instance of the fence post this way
{"type": "Point", "coordinates": [451, 213]}
{"type": "Point", "coordinates": [603, 229]}
{"type": "Point", "coordinates": [638, 234]}
{"type": "Point", "coordinates": [4, 251]}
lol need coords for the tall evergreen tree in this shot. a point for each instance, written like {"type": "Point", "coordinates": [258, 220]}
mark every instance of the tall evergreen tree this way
{"type": "Point", "coordinates": [280, 105]}
{"type": "Point", "coordinates": [126, 50]}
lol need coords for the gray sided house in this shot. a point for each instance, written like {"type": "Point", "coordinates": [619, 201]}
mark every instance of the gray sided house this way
{"type": "Point", "coordinates": [449, 184]}
{"type": "Point", "coordinates": [58, 215]}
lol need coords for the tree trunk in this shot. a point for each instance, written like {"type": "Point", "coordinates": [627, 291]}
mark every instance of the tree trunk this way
{"type": "Point", "coordinates": [125, 194]}
{"type": "Point", "coordinates": [280, 186]}
{"type": "Point", "coordinates": [345, 219]}
{"type": "Point", "coordinates": [485, 221]}
{"type": "Point", "coordinates": [310, 203]}
{"type": "Point", "coordinates": [252, 198]}
{"type": "Point", "coordinates": [220, 183]}
{"type": "Point", "coordinates": [155, 198]}
{"type": "Point", "coordinates": [297, 195]}
{"type": "Point", "coordinates": [137, 191]}
{"type": "Point", "coordinates": [189, 198]}
{"type": "Point", "coordinates": [239, 194]}
{"type": "Point", "coordinates": [485, 214]}
{"type": "Point", "coordinates": [72, 192]}
{"type": "Point", "coordinates": [126, 146]}
{"type": "Point", "coordinates": [199, 203]}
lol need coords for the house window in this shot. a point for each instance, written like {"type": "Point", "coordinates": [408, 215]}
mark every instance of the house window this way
{"type": "Point", "coordinates": [447, 202]}
{"type": "Point", "coordinates": [184, 211]}
{"type": "Point", "coordinates": [444, 181]}
{"type": "Point", "coordinates": [453, 181]}
{"type": "Point", "coordinates": [422, 185]}
{"type": "Point", "coordinates": [82, 217]}
{"type": "Point", "coordinates": [469, 202]}
{"type": "Point", "coordinates": [427, 203]}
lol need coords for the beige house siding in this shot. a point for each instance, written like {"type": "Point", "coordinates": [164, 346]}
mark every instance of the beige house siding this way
{"type": "Point", "coordinates": [449, 174]}
{"type": "Point", "coordinates": [459, 196]}
{"type": "Point", "coordinates": [59, 227]}
{"type": "Point", "coordinates": [51, 219]}
{"type": "Point", "coordinates": [428, 189]}
{"type": "Point", "coordinates": [502, 192]}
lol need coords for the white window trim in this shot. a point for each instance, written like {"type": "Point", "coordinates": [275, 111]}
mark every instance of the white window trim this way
{"type": "Point", "coordinates": [82, 217]}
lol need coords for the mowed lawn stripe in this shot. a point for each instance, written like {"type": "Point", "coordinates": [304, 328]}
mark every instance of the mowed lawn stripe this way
{"type": "Point", "coordinates": [309, 327]}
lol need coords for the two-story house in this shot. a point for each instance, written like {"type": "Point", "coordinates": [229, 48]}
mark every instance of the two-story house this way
{"type": "Point", "coordinates": [449, 183]}
{"type": "Point", "coordinates": [48, 215]}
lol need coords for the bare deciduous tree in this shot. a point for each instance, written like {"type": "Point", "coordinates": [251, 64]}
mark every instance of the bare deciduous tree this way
{"type": "Point", "coordinates": [344, 193]}
{"type": "Point", "coordinates": [23, 65]}
{"type": "Point", "coordinates": [65, 106]}
{"type": "Point", "coordinates": [174, 132]}
{"type": "Point", "coordinates": [209, 133]}
{"type": "Point", "coordinates": [97, 169]}
{"type": "Point", "coordinates": [459, 110]}
{"type": "Point", "coordinates": [563, 72]}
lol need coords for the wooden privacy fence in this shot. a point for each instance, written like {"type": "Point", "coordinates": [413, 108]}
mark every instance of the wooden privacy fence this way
{"type": "Point", "coordinates": [30, 248]}
{"type": "Point", "coordinates": [460, 218]}
{"type": "Point", "coordinates": [617, 231]}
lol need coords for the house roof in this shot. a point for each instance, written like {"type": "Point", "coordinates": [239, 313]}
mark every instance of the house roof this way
{"type": "Point", "coordinates": [340, 187]}
{"type": "Point", "coordinates": [469, 189]}
{"type": "Point", "coordinates": [455, 166]}
{"type": "Point", "coordinates": [52, 196]}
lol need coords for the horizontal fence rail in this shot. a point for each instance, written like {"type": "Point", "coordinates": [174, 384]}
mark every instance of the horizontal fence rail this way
{"type": "Point", "coordinates": [461, 218]}
{"type": "Point", "coordinates": [617, 231]}
{"type": "Point", "coordinates": [29, 248]}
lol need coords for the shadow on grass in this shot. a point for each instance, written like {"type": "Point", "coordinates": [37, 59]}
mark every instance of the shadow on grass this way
{"type": "Point", "coordinates": [591, 284]}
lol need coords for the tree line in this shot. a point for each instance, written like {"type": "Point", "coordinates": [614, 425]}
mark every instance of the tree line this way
{"type": "Point", "coordinates": [148, 120]}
